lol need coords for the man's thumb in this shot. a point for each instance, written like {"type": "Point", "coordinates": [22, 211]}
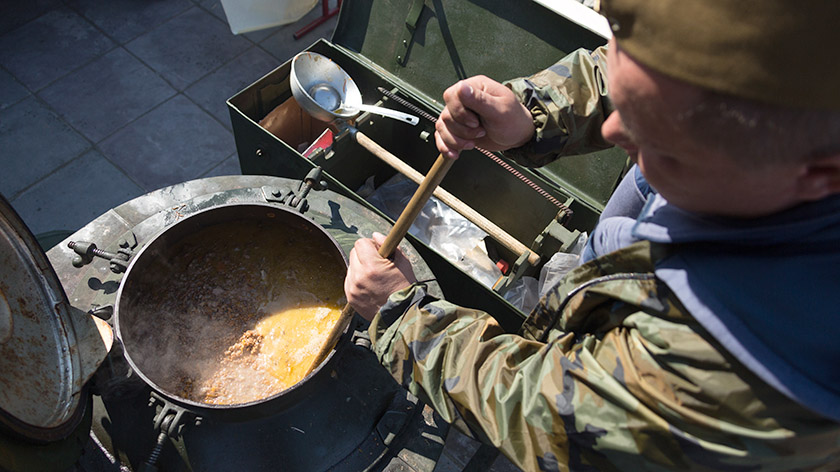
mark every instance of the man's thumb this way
{"type": "Point", "coordinates": [379, 238]}
{"type": "Point", "coordinates": [479, 101]}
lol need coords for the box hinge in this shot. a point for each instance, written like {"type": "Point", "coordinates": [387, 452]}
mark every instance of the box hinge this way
{"type": "Point", "coordinates": [411, 22]}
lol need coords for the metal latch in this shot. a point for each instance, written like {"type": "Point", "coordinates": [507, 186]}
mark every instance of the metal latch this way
{"type": "Point", "coordinates": [296, 199]}
{"type": "Point", "coordinates": [118, 261]}
{"type": "Point", "coordinates": [411, 21]}
{"type": "Point", "coordinates": [169, 423]}
{"type": "Point", "coordinates": [515, 273]}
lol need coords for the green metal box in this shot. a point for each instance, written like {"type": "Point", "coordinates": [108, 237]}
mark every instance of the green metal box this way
{"type": "Point", "coordinates": [416, 49]}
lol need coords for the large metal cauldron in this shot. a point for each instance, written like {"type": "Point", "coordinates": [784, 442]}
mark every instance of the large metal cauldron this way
{"type": "Point", "coordinates": [196, 287]}
{"type": "Point", "coordinates": [305, 427]}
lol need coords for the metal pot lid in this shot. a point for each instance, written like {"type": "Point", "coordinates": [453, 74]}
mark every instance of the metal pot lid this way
{"type": "Point", "coordinates": [42, 340]}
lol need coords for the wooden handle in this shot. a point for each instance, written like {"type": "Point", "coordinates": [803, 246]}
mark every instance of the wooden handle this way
{"type": "Point", "coordinates": [407, 217]}
{"type": "Point", "coordinates": [415, 205]}
{"type": "Point", "coordinates": [453, 202]}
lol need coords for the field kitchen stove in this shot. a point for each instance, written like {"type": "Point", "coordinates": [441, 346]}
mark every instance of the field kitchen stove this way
{"type": "Point", "coordinates": [349, 415]}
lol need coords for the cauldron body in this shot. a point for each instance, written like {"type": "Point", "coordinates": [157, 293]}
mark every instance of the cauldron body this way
{"type": "Point", "coordinates": [200, 283]}
{"type": "Point", "coordinates": [309, 426]}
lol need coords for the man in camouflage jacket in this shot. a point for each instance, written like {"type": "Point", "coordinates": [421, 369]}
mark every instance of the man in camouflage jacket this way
{"type": "Point", "coordinates": [701, 333]}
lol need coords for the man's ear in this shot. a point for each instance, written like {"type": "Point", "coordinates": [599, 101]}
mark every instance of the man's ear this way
{"type": "Point", "coordinates": [820, 178]}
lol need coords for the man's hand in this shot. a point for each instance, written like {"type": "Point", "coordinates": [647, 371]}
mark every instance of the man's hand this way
{"type": "Point", "coordinates": [371, 278]}
{"type": "Point", "coordinates": [481, 112]}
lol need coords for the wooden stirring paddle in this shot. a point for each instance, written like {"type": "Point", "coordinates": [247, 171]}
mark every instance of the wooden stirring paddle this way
{"type": "Point", "coordinates": [407, 217]}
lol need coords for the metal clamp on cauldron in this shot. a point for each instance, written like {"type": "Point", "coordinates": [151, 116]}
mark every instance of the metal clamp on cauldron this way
{"type": "Point", "coordinates": [297, 200]}
{"type": "Point", "coordinates": [170, 420]}
{"type": "Point", "coordinates": [117, 261]}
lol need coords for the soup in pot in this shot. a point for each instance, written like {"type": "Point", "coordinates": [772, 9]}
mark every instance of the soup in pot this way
{"type": "Point", "coordinates": [272, 357]}
{"type": "Point", "coordinates": [236, 311]}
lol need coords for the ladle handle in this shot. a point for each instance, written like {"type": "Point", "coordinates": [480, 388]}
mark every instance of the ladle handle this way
{"type": "Point", "coordinates": [406, 218]}
{"type": "Point", "coordinates": [497, 233]}
{"type": "Point", "coordinates": [397, 115]}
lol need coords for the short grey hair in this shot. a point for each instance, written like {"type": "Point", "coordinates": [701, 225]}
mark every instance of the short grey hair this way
{"type": "Point", "coordinates": [758, 134]}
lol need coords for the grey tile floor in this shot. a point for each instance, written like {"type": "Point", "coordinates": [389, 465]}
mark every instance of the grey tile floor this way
{"type": "Point", "coordinates": [104, 101]}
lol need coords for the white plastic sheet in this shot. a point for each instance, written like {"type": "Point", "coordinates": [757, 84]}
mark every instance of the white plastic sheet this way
{"type": "Point", "coordinates": [461, 242]}
{"type": "Point", "coordinates": [559, 265]}
{"type": "Point", "coordinates": [527, 291]}
{"type": "Point", "coordinates": [439, 227]}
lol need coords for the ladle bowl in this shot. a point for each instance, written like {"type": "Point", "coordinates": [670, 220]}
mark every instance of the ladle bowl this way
{"type": "Point", "coordinates": [326, 92]}
{"type": "Point", "coordinates": [326, 96]}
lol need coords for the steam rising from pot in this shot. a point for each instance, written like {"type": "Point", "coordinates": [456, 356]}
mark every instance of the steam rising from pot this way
{"type": "Point", "coordinates": [198, 293]}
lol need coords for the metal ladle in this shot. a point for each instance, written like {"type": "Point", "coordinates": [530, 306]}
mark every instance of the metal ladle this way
{"type": "Point", "coordinates": [325, 91]}
{"type": "Point", "coordinates": [330, 99]}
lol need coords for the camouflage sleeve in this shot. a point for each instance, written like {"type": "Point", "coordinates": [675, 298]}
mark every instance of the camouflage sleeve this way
{"type": "Point", "coordinates": [630, 388]}
{"type": "Point", "coordinates": [568, 102]}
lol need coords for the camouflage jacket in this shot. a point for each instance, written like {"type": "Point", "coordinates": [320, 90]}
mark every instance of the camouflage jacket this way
{"type": "Point", "coordinates": [609, 372]}
{"type": "Point", "coordinates": [568, 102]}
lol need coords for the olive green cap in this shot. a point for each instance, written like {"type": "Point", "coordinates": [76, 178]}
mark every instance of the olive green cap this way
{"type": "Point", "coordinates": [783, 52]}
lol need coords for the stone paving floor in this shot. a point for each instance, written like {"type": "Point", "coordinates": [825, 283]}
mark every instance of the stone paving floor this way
{"type": "Point", "coordinates": [104, 101]}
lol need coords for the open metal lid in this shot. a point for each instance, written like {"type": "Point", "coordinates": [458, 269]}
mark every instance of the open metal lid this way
{"type": "Point", "coordinates": [48, 349]}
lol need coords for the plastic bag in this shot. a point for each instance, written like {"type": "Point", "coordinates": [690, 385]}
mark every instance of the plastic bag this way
{"type": "Point", "coordinates": [524, 294]}
{"type": "Point", "coordinates": [441, 228]}
{"type": "Point", "coordinates": [559, 265]}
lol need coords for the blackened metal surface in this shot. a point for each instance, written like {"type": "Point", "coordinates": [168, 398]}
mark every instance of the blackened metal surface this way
{"type": "Point", "coordinates": [172, 316]}
{"type": "Point", "coordinates": [332, 428]}
{"type": "Point", "coordinates": [25, 455]}
{"type": "Point", "coordinates": [358, 392]}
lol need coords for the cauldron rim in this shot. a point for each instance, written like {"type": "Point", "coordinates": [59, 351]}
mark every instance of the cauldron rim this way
{"type": "Point", "coordinates": [239, 411]}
